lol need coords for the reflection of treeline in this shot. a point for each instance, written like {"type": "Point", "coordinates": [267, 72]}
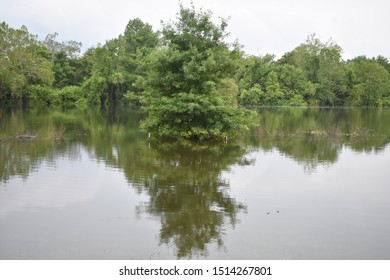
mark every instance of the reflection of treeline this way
{"type": "Point", "coordinates": [308, 135]}
{"type": "Point", "coordinates": [19, 159]}
{"type": "Point", "coordinates": [313, 135]}
{"type": "Point", "coordinates": [49, 135]}
{"type": "Point", "coordinates": [184, 182]}
{"type": "Point", "coordinates": [55, 133]}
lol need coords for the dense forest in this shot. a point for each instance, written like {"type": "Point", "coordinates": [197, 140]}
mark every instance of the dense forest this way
{"type": "Point", "coordinates": [186, 75]}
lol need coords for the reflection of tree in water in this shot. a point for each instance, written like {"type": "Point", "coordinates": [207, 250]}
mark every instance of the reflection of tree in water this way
{"type": "Point", "coordinates": [185, 183]}
{"type": "Point", "coordinates": [19, 157]}
{"type": "Point", "coordinates": [188, 192]}
{"type": "Point", "coordinates": [314, 136]}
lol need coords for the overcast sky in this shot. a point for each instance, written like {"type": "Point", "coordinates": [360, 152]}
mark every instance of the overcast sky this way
{"type": "Point", "coordinates": [261, 26]}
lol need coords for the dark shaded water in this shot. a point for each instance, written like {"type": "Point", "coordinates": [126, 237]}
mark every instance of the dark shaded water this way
{"type": "Point", "coordinates": [305, 184]}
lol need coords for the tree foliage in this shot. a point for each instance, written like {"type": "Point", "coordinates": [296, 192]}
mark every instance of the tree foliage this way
{"type": "Point", "coordinates": [369, 83]}
{"type": "Point", "coordinates": [314, 73]}
{"type": "Point", "coordinates": [23, 62]}
{"type": "Point", "coordinates": [187, 94]}
{"type": "Point", "coordinates": [118, 72]}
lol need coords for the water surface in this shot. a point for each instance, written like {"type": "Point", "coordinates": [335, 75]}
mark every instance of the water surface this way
{"type": "Point", "coordinates": [304, 184]}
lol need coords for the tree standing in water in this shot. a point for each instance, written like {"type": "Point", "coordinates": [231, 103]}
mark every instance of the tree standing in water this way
{"type": "Point", "coordinates": [189, 92]}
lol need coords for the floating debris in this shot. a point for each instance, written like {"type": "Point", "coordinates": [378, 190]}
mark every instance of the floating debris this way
{"type": "Point", "coordinates": [23, 137]}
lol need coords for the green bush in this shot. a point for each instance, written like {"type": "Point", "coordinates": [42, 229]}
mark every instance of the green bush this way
{"type": "Point", "coordinates": [71, 96]}
{"type": "Point", "coordinates": [42, 95]}
{"type": "Point", "coordinates": [45, 95]}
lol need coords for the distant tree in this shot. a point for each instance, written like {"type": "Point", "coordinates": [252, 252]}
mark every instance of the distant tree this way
{"type": "Point", "coordinates": [139, 41]}
{"type": "Point", "coordinates": [71, 49]}
{"type": "Point", "coordinates": [251, 97]}
{"type": "Point", "coordinates": [186, 82]}
{"type": "Point", "coordinates": [118, 71]}
{"type": "Point", "coordinates": [68, 66]}
{"type": "Point", "coordinates": [369, 83]}
{"type": "Point", "coordinates": [298, 91]}
{"type": "Point", "coordinates": [262, 81]}
{"type": "Point", "coordinates": [139, 37]}
{"type": "Point", "coordinates": [253, 70]}
{"type": "Point", "coordinates": [332, 75]}
{"type": "Point", "coordinates": [323, 66]}
{"type": "Point", "coordinates": [107, 75]}
{"type": "Point", "coordinates": [384, 62]}
{"type": "Point", "coordinates": [273, 94]}
{"type": "Point", "coordinates": [23, 62]}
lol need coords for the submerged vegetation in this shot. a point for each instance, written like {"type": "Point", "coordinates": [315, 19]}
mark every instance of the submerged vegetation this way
{"type": "Point", "coordinates": [187, 78]}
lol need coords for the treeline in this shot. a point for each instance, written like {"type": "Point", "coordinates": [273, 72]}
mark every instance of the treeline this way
{"type": "Point", "coordinates": [314, 74]}
{"type": "Point", "coordinates": [53, 73]}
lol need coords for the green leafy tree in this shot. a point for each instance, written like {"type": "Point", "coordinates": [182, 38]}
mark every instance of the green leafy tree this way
{"type": "Point", "coordinates": [369, 83]}
{"type": "Point", "coordinates": [380, 59]}
{"type": "Point", "coordinates": [274, 94]}
{"type": "Point", "coordinates": [71, 48]}
{"type": "Point", "coordinates": [118, 71]}
{"type": "Point", "coordinates": [184, 90]}
{"type": "Point", "coordinates": [139, 41]}
{"type": "Point", "coordinates": [69, 67]}
{"type": "Point", "coordinates": [107, 76]}
{"type": "Point", "coordinates": [251, 96]}
{"type": "Point", "coordinates": [64, 70]}
{"type": "Point", "coordinates": [253, 71]}
{"type": "Point", "coordinates": [331, 77]}
{"type": "Point", "coordinates": [298, 91]}
{"type": "Point", "coordinates": [305, 57]}
{"type": "Point", "coordinates": [23, 62]}
{"type": "Point", "coordinates": [323, 66]}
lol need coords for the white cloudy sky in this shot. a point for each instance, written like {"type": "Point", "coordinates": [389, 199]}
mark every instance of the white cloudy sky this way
{"type": "Point", "coordinates": [262, 26]}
